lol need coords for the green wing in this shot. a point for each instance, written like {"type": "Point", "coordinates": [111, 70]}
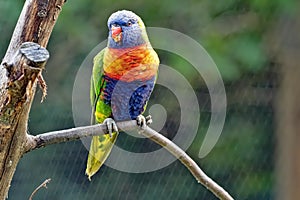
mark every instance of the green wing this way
{"type": "Point", "coordinates": [96, 82]}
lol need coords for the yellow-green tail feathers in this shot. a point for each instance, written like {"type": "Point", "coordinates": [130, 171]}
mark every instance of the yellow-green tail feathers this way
{"type": "Point", "coordinates": [99, 150]}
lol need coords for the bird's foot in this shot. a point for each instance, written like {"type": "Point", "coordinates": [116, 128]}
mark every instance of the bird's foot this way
{"type": "Point", "coordinates": [143, 122]}
{"type": "Point", "coordinates": [111, 126]}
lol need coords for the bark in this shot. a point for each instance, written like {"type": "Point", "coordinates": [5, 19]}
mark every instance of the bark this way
{"type": "Point", "coordinates": [19, 71]}
{"type": "Point", "coordinates": [288, 110]}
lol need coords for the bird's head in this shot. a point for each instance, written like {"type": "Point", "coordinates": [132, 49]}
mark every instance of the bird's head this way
{"type": "Point", "coordinates": [126, 30]}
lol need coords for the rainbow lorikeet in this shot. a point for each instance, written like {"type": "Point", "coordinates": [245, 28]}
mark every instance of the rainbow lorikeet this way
{"type": "Point", "coordinates": [124, 74]}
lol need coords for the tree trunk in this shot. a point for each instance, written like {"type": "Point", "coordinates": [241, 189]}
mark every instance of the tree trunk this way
{"type": "Point", "coordinates": [288, 110]}
{"type": "Point", "coordinates": [19, 71]}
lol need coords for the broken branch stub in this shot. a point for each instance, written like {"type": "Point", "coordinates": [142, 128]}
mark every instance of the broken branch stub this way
{"type": "Point", "coordinates": [22, 72]}
{"type": "Point", "coordinates": [35, 53]}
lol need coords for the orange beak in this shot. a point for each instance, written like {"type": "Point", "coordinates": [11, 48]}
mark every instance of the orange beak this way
{"type": "Point", "coordinates": [116, 33]}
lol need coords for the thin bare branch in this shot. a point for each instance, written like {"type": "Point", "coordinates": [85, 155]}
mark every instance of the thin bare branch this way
{"type": "Point", "coordinates": [80, 132]}
{"type": "Point", "coordinates": [55, 137]}
{"type": "Point", "coordinates": [44, 184]}
{"type": "Point", "coordinates": [188, 162]}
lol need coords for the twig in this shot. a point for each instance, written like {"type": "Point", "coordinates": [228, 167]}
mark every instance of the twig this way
{"type": "Point", "coordinates": [44, 184]}
{"type": "Point", "coordinates": [54, 137]}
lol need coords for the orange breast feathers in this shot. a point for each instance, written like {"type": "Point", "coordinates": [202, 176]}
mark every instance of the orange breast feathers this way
{"type": "Point", "coordinates": [130, 64]}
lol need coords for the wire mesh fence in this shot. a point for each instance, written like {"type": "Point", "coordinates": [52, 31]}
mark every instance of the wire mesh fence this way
{"type": "Point", "coordinates": [242, 160]}
{"type": "Point", "coordinates": [236, 34]}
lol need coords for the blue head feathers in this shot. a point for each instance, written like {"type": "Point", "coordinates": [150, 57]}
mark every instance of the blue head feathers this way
{"type": "Point", "coordinates": [126, 30]}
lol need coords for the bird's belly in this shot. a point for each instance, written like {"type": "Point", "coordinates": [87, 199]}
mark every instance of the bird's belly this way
{"type": "Point", "coordinates": [126, 99]}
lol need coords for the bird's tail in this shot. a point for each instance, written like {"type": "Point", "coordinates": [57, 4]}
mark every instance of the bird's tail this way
{"type": "Point", "coordinates": [99, 150]}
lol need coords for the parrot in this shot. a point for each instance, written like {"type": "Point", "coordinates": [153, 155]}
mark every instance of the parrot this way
{"type": "Point", "coordinates": [123, 77]}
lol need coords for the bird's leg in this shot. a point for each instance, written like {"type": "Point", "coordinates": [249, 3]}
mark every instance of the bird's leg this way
{"type": "Point", "coordinates": [111, 126]}
{"type": "Point", "coordinates": [143, 121]}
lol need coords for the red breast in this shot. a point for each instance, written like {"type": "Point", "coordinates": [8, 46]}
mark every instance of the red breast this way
{"type": "Point", "coordinates": [137, 63]}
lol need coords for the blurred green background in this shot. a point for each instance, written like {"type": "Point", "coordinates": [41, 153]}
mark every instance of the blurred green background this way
{"type": "Point", "coordinates": [239, 37]}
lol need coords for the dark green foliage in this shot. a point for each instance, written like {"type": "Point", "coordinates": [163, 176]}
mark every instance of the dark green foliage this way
{"type": "Point", "coordinates": [234, 34]}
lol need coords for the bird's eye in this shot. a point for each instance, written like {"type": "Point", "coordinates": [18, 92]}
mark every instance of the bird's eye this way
{"type": "Point", "coordinates": [129, 23]}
